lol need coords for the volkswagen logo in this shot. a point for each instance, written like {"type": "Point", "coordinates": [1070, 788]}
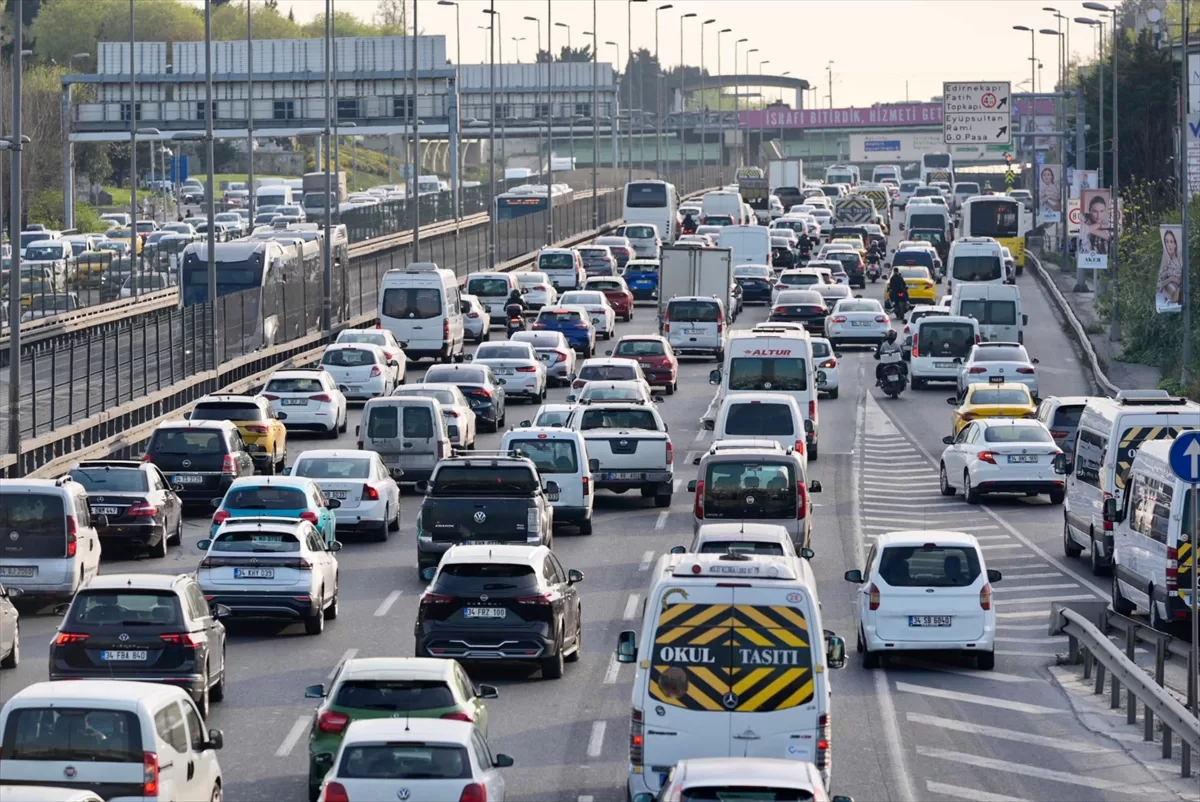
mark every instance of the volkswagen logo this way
{"type": "Point", "coordinates": [480, 517]}
{"type": "Point", "coordinates": [14, 535]}
{"type": "Point", "coordinates": [730, 700]}
{"type": "Point", "coordinates": [69, 772]}
{"type": "Point", "coordinates": [187, 463]}
{"type": "Point", "coordinates": [483, 597]}
{"type": "Point", "coordinates": [402, 794]}
{"type": "Point", "coordinates": [123, 637]}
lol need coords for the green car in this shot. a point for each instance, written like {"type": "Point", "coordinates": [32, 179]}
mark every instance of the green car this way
{"type": "Point", "coordinates": [387, 687]}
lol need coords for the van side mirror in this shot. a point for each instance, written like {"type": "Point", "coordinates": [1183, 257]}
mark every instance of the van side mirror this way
{"type": "Point", "coordinates": [502, 762]}
{"type": "Point", "coordinates": [525, 424]}
{"type": "Point", "coordinates": [1110, 512]}
{"type": "Point", "coordinates": [994, 575]}
{"type": "Point", "coordinates": [468, 357]}
{"type": "Point", "coordinates": [1036, 361]}
{"type": "Point", "coordinates": [948, 440]}
{"type": "Point", "coordinates": [714, 376]}
{"type": "Point", "coordinates": [314, 692]}
{"type": "Point", "coordinates": [952, 401]}
{"type": "Point", "coordinates": [835, 650]}
{"type": "Point", "coordinates": [12, 593]}
{"type": "Point", "coordinates": [358, 431]}
{"type": "Point", "coordinates": [627, 647]}
{"type": "Point", "coordinates": [807, 553]}
{"type": "Point", "coordinates": [678, 550]}
{"type": "Point", "coordinates": [1024, 320]}
{"type": "Point", "coordinates": [1062, 465]}
{"type": "Point", "coordinates": [397, 473]}
{"type": "Point", "coordinates": [691, 485]}
{"type": "Point", "coordinates": [216, 740]}
{"type": "Point", "coordinates": [853, 575]}
{"type": "Point", "coordinates": [423, 487]}
{"type": "Point", "coordinates": [608, 352]}
{"type": "Point", "coordinates": [593, 465]}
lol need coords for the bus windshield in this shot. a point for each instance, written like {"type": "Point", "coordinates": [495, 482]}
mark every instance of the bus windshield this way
{"type": "Point", "coordinates": [936, 160]}
{"type": "Point", "coordinates": [997, 219]}
{"type": "Point", "coordinates": [232, 276]}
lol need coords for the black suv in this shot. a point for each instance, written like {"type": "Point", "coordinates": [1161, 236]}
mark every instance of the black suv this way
{"type": "Point", "coordinates": [502, 603]}
{"type": "Point", "coordinates": [142, 509]}
{"type": "Point", "coordinates": [147, 627]}
{"type": "Point", "coordinates": [200, 458]}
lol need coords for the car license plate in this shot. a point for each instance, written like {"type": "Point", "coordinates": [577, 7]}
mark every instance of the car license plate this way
{"type": "Point", "coordinates": [338, 494]}
{"type": "Point", "coordinates": [626, 476]}
{"type": "Point", "coordinates": [18, 570]}
{"type": "Point", "coordinates": [253, 573]}
{"type": "Point", "coordinates": [505, 372]}
{"type": "Point", "coordinates": [996, 379]}
{"type": "Point", "coordinates": [354, 388]}
{"type": "Point", "coordinates": [105, 510]}
{"type": "Point", "coordinates": [188, 479]}
{"type": "Point", "coordinates": [693, 331]}
{"type": "Point", "coordinates": [929, 620]}
{"type": "Point", "coordinates": [295, 402]}
{"type": "Point", "coordinates": [484, 612]}
{"type": "Point", "coordinates": [1022, 458]}
{"type": "Point", "coordinates": [123, 656]}
{"type": "Point", "coordinates": [859, 323]}
{"type": "Point", "coordinates": [943, 364]}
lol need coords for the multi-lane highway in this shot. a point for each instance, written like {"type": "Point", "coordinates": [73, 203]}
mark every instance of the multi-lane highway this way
{"type": "Point", "coordinates": [914, 730]}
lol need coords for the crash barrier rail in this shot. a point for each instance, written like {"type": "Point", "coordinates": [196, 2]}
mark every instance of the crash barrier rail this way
{"type": "Point", "coordinates": [1088, 643]}
{"type": "Point", "coordinates": [1098, 378]}
{"type": "Point", "coordinates": [92, 391]}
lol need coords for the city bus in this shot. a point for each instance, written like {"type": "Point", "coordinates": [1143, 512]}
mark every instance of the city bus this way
{"type": "Point", "coordinates": [1000, 217]}
{"type": "Point", "coordinates": [527, 199]}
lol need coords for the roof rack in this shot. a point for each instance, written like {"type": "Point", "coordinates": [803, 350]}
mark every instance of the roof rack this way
{"type": "Point", "coordinates": [1125, 396]}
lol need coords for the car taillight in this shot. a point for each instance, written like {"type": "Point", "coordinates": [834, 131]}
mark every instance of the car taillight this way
{"type": "Point", "coordinates": [320, 367]}
{"type": "Point", "coordinates": [147, 457]}
{"type": "Point", "coordinates": [473, 315]}
{"type": "Point", "coordinates": [331, 722]}
{"type": "Point", "coordinates": [67, 638]}
{"type": "Point", "coordinates": [839, 319]}
{"type": "Point", "coordinates": [1025, 370]}
{"type": "Point", "coordinates": [812, 410]}
{"type": "Point", "coordinates": [1058, 435]}
{"type": "Point", "coordinates": [880, 319]}
{"type": "Point", "coordinates": [873, 597]}
{"type": "Point", "coordinates": [1172, 571]}
{"type": "Point", "coordinates": [698, 504]}
{"type": "Point", "coordinates": [587, 486]}
{"type": "Point", "coordinates": [670, 453]}
{"type": "Point", "coordinates": [460, 715]}
{"type": "Point", "coordinates": [527, 369]}
{"type": "Point", "coordinates": [481, 393]}
{"type": "Point", "coordinates": [183, 639]}
{"type": "Point", "coordinates": [376, 371]}
{"type": "Point", "coordinates": [220, 516]}
{"type": "Point", "coordinates": [540, 599]}
{"type": "Point", "coordinates": [336, 792]}
{"type": "Point", "coordinates": [974, 371]}
{"type": "Point", "coordinates": [637, 738]}
{"type": "Point", "coordinates": [72, 536]}
{"type": "Point", "coordinates": [977, 341]}
{"type": "Point", "coordinates": [829, 363]}
{"type": "Point", "coordinates": [323, 398]}
{"type": "Point", "coordinates": [369, 493]}
{"type": "Point", "coordinates": [256, 429]}
{"type": "Point", "coordinates": [142, 508]}
{"type": "Point", "coordinates": [988, 457]}
{"type": "Point", "coordinates": [823, 741]}
{"type": "Point", "coordinates": [228, 464]}
{"type": "Point", "coordinates": [667, 327]}
{"type": "Point", "coordinates": [450, 414]}
{"type": "Point", "coordinates": [575, 385]}
{"type": "Point", "coordinates": [310, 516]}
{"type": "Point", "coordinates": [720, 328]}
{"type": "Point", "coordinates": [446, 331]}
{"type": "Point", "coordinates": [560, 356]}
{"type": "Point", "coordinates": [435, 598]}
{"type": "Point", "coordinates": [1108, 524]}
{"type": "Point", "coordinates": [475, 792]}
{"type": "Point", "coordinates": [801, 497]}
{"type": "Point", "coordinates": [985, 597]}
{"type": "Point", "coordinates": [915, 352]}
{"type": "Point", "coordinates": [271, 397]}
{"type": "Point", "coordinates": [779, 310]}
{"type": "Point", "coordinates": [149, 774]}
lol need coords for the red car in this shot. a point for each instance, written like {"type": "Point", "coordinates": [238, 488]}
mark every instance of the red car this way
{"type": "Point", "coordinates": [656, 356]}
{"type": "Point", "coordinates": [616, 291]}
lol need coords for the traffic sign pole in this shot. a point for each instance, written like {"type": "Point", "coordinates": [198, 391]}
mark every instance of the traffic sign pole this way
{"type": "Point", "coordinates": [1184, 458]}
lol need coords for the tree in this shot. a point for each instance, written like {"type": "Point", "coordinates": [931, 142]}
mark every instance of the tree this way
{"type": "Point", "coordinates": [345, 25]}
{"type": "Point", "coordinates": [577, 55]}
{"type": "Point", "coordinates": [229, 23]}
{"type": "Point", "coordinates": [291, 14]}
{"type": "Point", "coordinates": [392, 17]}
{"type": "Point", "coordinates": [66, 27]}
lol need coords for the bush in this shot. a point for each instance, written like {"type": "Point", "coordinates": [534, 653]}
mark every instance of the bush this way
{"type": "Point", "coordinates": [46, 207]}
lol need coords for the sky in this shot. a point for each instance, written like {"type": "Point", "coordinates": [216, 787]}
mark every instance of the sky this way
{"type": "Point", "coordinates": [883, 51]}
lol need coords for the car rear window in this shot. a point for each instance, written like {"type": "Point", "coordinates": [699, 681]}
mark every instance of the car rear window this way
{"type": "Point", "coordinates": [728, 483]}
{"type": "Point", "coordinates": [631, 418]}
{"type": "Point", "coordinates": [1068, 415]}
{"type": "Point", "coordinates": [799, 279]}
{"type": "Point", "coordinates": [749, 793]}
{"type": "Point", "coordinates": [605, 285]}
{"type": "Point", "coordinates": [501, 351]}
{"type": "Point", "coordinates": [411, 302]}
{"type": "Point", "coordinates": [471, 480]}
{"type": "Point", "coordinates": [945, 339]}
{"type": "Point", "coordinates": [418, 422]}
{"type": "Point", "coordinates": [552, 417]}
{"type": "Point", "coordinates": [488, 287]}
{"type": "Point", "coordinates": [760, 420]}
{"type": "Point", "coordinates": [111, 480]}
{"type": "Point", "coordinates": [458, 578]}
{"type": "Point", "coordinates": [455, 375]}
{"type": "Point", "coordinates": [368, 337]}
{"type": "Point", "coordinates": [636, 348]}
{"type": "Point", "coordinates": [404, 761]}
{"type": "Point", "coordinates": [550, 456]}
{"type": "Point", "coordinates": [640, 232]}
{"type": "Point", "coordinates": [333, 468]}
{"type": "Point", "coordinates": [188, 441]}
{"type": "Point", "coordinates": [641, 267]}
{"type": "Point", "coordinates": [227, 410]}
{"type": "Point", "coordinates": [128, 607]}
{"type": "Point", "coordinates": [559, 261]}
{"type": "Point", "coordinates": [265, 497]}
{"type": "Point", "coordinates": [929, 566]}
{"type": "Point", "coordinates": [264, 542]}
{"type": "Point", "coordinates": [557, 316]}
{"type": "Point", "coordinates": [607, 373]}
{"type": "Point", "coordinates": [441, 396]}
{"type": "Point", "coordinates": [394, 694]}
{"type": "Point", "coordinates": [990, 396]}
{"type": "Point", "coordinates": [999, 354]}
{"type": "Point", "coordinates": [349, 357]}
{"type": "Point", "coordinates": [694, 311]}
{"type": "Point", "coordinates": [1016, 434]}
{"type": "Point", "coordinates": [40, 522]}
{"type": "Point", "coordinates": [997, 313]}
{"type": "Point", "coordinates": [744, 546]}
{"type": "Point", "coordinates": [74, 735]}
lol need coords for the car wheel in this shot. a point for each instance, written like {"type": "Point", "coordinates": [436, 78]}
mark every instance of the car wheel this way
{"type": "Point", "coordinates": [1097, 565]}
{"type": "Point", "coordinates": [670, 389]}
{"type": "Point", "coordinates": [1119, 603]}
{"type": "Point", "coordinates": [870, 660]}
{"type": "Point", "coordinates": [1157, 622]}
{"type": "Point", "coordinates": [216, 794]}
{"type": "Point", "coordinates": [380, 533]}
{"type": "Point", "coordinates": [333, 432]}
{"type": "Point", "coordinates": [971, 494]}
{"type": "Point", "coordinates": [985, 661]}
{"type": "Point", "coordinates": [585, 526]}
{"type": "Point", "coordinates": [202, 704]}
{"type": "Point", "coordinates": [419, 649]}
{"type": "Point", "coordinates": [833, 394]}
{"type": "Point", "coordinates": [577, 652]}
{"type": "Point", "coordinates": [553, 666]}
{"type": "Point", "coordinates": [177, 537]}
{"type": "Point", "coordinates": [13, 658]}
{"type": "Point", "coordinates": [279, 466]}
{"type": "Point", "coordinates": [314, 623]}
{"type": "Point", "coordinates": [217, 692]}
{"type": "Point", "coordinates": [918, 384]}
{"type": "Point", "coordinates": [814, 451]}
{"type": "Point", "coordinates": [160, 549]}
{"type": "Point", "coordinates": [394, 524]}
{"type": "Point", "coordinates": [662, 501]}
{"type": "Point", "coordinates": [944, 482]}
{"type": "Point", "coordinates": [331, 613]}
{"type": "Point", "coordinates": [345, 422]}
{"type": "Point", "coordinates": [1058, 496]}
{"type": "Point", "coordinates": [1070, 547]}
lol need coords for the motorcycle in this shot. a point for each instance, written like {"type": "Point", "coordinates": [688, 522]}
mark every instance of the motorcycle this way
{"type": "Point", "coordinates": [900, 306]}
{"type": "Point", "coordinates": [873, 272]}
{"type": "Point", "coordinates": [516, 321]}
{"type": "Point", "coordinates": [892, 380]}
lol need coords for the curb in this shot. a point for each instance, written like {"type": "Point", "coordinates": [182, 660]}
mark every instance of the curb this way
{"type": "Point", "coordinates": [1082, 344]}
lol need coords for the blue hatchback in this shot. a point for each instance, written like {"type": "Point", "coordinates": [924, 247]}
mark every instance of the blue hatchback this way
{"type": "Point", "coordinates": [642, 278]}
{"type": "Point", "coordinates": [574, 322]}
{"type": "Point", "coordinates": [277, 497]}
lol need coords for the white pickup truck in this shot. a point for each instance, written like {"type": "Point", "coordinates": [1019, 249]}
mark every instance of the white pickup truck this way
{"type": "Point", "coordinates": [629, 440]}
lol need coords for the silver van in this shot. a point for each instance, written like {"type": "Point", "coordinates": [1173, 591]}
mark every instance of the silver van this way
{"type": "Point", "coordinates": [50, 546]}
{"type": "Point", "coordinates": [408, 432]}
{"type": "Point", "coordinates": [696, 326]}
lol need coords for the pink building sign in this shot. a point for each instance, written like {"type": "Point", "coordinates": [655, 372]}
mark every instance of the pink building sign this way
{"type": "Point", "coordinates": [876, 116]}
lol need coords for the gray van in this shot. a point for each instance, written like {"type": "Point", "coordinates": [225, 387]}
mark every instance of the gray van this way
{"type": "Point", "coordinates": [408, 432]}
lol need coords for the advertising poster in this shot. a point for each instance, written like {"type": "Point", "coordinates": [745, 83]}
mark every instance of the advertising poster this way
{"type": "Point", "coordinates": [1081, 180]}
{"type": "Point", "coordinates": [1049, 193]}
{"type": "Point", "coordinates": [1170, 270]}
{"type": "Point", "coordinates": [1095, 228]}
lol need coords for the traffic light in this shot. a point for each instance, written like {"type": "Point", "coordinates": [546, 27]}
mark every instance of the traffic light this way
{"type": "Point", "coordinates": [1008, 159]}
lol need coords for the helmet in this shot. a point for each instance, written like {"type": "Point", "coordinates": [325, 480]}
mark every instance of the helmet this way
{"type": "Point", "coordinates": [891, 335]}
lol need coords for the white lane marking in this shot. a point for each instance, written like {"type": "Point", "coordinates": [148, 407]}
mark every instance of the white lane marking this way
{"type": "Point", "coordinates": [596, 742]}
{"type": "Point", "coordinates": [1048, 640]}
{"type": "Point", "coordinates": [647, 558]}
{"type": "Point", "coordinates": [996, 546]}
{"type": "Point", "coordinates": [614, 668]}
{"type": "Point", "coordinates": [678, 484]}
{"type": "Point", "coordinates": [387, 603]}
{"type": "Point", "coordinates": [1027, 588]}
{"type": "Point", "coordinates": [988, 537]}
{"type": "Point", "coordinates": [691, 455]}
{"type": "Point", "coordinates": [1042, 575]}
{"type": "Point", "coordinates": [1007, 735]}
{"type": "Point", "coordinates": [931, 482]}
{"type": "Point", "coordinates": [662, 519]}
{"type": "Point", "coordinates": [967, 529]}
{"type": "Point", "coordinates": [1022, 627]}
{"type": "Point", "coordinates": [631, 607]}
{"type": "Point", "coordinates": [349, 655]}
{"type": "Point", "coordinates": [959, 792]}
{"type": "Point", "coordinates": [293, 737]}
{"type": "Point", "coordinates": [1004, 558]}
{"type": "Point", "coordinates": [1025, 770]}
{"type": "Point", "coordinates": [699, 436]}
{"type": "Point", "coordinates": [990, 676]}
{"type": "Point", "coordinates": [890, 471]}
{"type": "Point", "coordinates": [1047, 599]}
{"type": "Point", "coordinates": [911, 508]}
{"type": "Point", "coordinates": [1015, 653]}
{"type": "Point", "coordinates": [1043, 614]}
{"type": "Point", "coordinates": [586, 798]}
{"type": "Point", "coordinates": [972, 698]}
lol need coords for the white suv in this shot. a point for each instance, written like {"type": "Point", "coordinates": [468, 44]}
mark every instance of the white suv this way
{"type": "Point", "coordinates": [310, 399]}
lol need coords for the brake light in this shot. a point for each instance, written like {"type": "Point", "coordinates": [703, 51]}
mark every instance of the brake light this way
{"type": "Point", "coordinates": [147, 457]}
{"type": "Point", "coordinates": [801, 496]}
{"type": "Point", "coordinates": [829, 363]}
{"type": "Point", "coordinates": [220, 516]}
{"type": "Point", "coordinates": [142, 508]}
{"type": "Point", "coordinates": [435, 598]}
{"type": "Point", "coordinates": [527, 369]}
{"type": "Point", "coordinates": [976, 371]}
{"type": "Point", "coordinates": [149, 774]}
{"type": "Point", "coordinates": [473, 315]}
{"type": "Point", "coordinates": [257, 429]}
{"type": "Point", "coordinates": [228, 464]}
{"type": "Point", "coordinates": [271, 397]}
{"type": "Point", "coordinates": [985, 597]}
{"type": "Point", "coordinates": [561, 356]}
{"type": "Point", "coordinates": [667, 327]}
{"type": "Point", "coordinates": [880, 319]}
{"type": "Point", "coordinates": [321, 397]}
{"type": "Point", "coordinates": [450, 414]}
{"type": "Point", "coordinates": [637, 739]}
{"type": "Point", "coordinates": [183, 639]}
{"type": "Point", "coordinates": [1108, 524]}
{"type": "Point", "coordinates": [915, 352]}
{"type": "Point", "coordinates": [812, 410]}
{"type": "Point", "coordinates": [72, 536]}
{"type": "Point", "coordinates": [376, 371]}
{"type": "Point", "coordinates": [977, 341]}
{"type": "Point", "coordinates": [779, 310]}
{"type": "Point", "coordinates": [721, 327]}
{"type": "Point", "coordinates": [839, 318]}
{"type": "Point", "coordinates": [369, 493]}
{"type": "Point", "coordinates": [540, 599]}
{"type": "Point", "coordinates": [988, 457]}
{"type": "Point", "coordinates": [1172, 571]}
{"type": "Point", "coordinates": [310, 516]}
{"type": "Point", "coordinates": [446, 331]}
{"type": "Point", "coordinates": [475, 792]}
{"type": "Point", "coordinates": [587, 486]}
{"type": "Point", "coordinates": [460, 715]}
{"type": "Point", "coordinates": [67, 638]}
{"type": "Point", "coordinates": [1025, 370]}
{"type": "Point", "coordinates": [331, 722]}
{"type": "Point", "coordinates": [823, 740]}
{"type": "Point", "coordinates": [698, 504]}
{"type": "Point", "coordinates": [1055, 433]}
{"type": "Point", "coordinates": [480, 392]}
{"type": "Point", "coordinates": [670, 453]}
{"type": "Point", "coordinates": [873, 597]}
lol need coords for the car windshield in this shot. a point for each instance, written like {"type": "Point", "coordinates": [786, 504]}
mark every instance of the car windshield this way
{"type": "Point", "coordinates": [128, 607]}
{"type": "Point", "coordinates": [349, 357]}
{"type": "Point", "coordinates": [83, 736]}
{"type": "Point", "coordinates": [727, 484]}
{"type": "Point", "coordinates": [583, 298]}
{"type": "Point", "coordinates": [228, 411]}
{"type": "Point", "coordinates": [620, 418]}
{"type": "Point", "coordinates": [950, 339]}
{"type": "Point", "coordinates": [694, 311]}
{"type": "Point", "coordinates": [411, 302]}
{"type": "Point", "coordinates": [111, 480]}
{"type": "Point", "coordinates": [1016, 434]}
{"type": "Point", "coordinates": [43, 253]}
{"type": "Point", "coordinates": [556, 260]}
{"type": "Point", "coordinates": [394, 694]}
{"type": "Point", "coordinates": [929, 566]}
{"type": "Point", "coordinates": [757, 419]}
{"type": "Point", "coordinates": [990, 396]}
{"type": "Point", "coordinates": [636, 348]}
{"type": "Point", "coordinates": [265, 497]}
{"type": "Point", "coordinates": [257, 542]}
{"type": "Point", "coordinates": [914, 272]}
{"type": "Point", "coordinates": [333, 468]}
{"type": "Point", "coordinates": [531, 279]}
{"type": "Point", "coordinates": [1068, 415]}
{"type": "Point", "coordinates": [788, 374]}
{"type": "Point", "coordinates": [494, 480]}
{"type": "Point", "coordinates": [1013, 353]}
{"type": "Point", "coordinates": [640, 232]}
{"type": "Point", "coordinates": [549, 455]}
{"type": "Point", "coordinates": [744, 793]}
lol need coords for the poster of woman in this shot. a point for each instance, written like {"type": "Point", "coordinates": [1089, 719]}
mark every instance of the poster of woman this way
{"type": "Point", "coordinates": [1170, 270]}
{"type": "Point", "coordinates": [1094, 229]}
{"type": "Point", "coordinates": [1050, 193]}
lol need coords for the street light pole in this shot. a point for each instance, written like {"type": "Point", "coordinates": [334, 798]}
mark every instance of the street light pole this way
{"type": "Point", "coordinates": [721, 129]}
{"type": "Point", "coordinates": [326, 250]}
{"type": "Point", "coordinates": [415, 122]}
{"type": "Point", "coordinates": [595, 119]}
{"type": "Point", "coordinates": [210, 199]}
{"type": "Point", "coordinates": [494, 17]}
{"type": "Point", "coordinates": [683, 93]}
{"type": "Point", "coordinates": [1114, 254]}
{"type": "Point", "coordinates": [458, 127]}
{"type": "Point", "coordinates": [14, 227]}
{"type": "Point", "coordinates": [737, 90]}
{"type": "Point", "coordinates": [568, 27]}
{"type": "Point", "coordinates": [762, 123]}
{"type": "Point", "coordinates": [629, 80]}
{"type": "Point", "coordinates": [1033, 182]}
{"type": "Point", "coordinates": [703, 108]}
{"type": "Point", "coordinates": [748, 52]}
{"type": "Point", "coordinates": [659, 103]}
{"type": "Point", "coordinates": [133, 115]}
{"type": "Point", "coordinates": [250, 109]}
{"type": "Point", "coordinates": [549, 125]}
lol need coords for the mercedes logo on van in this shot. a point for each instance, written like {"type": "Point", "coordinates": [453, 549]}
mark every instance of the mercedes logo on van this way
{"type": "Point", "coordinates": [123, 637]}
{"type": "Point", "coordinates": [730, 700]}
{"type": "Point", "coordinates": [480, 517]}
{"type": "Point", "coordinates": [187, 463]}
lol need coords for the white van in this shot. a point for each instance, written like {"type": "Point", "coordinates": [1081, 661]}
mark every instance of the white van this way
{"type": "Point", "coordinates": [408, 432]}
{"type": "Point", "coordinates": [937, 340]}
{"type": "Point", "coordinates": [50, 546]}
{"type": "Point", "coordinates": [560, 456]}
{"type": "Point", "coordinates": [723, 203]}
{"type": "Point", "coordinates": [1110, 432]}
{"type": "Point", "coordinates": [155, 744]}
{"type": "Point", "coordinates": [928, 215]}
{"type": "Point", "coordinates": [763, 416]}
{"type": "Point", "coordinates": [1153, 552]}
{"type": "Point", "coordinates": [492, 290]}
{"type": "Point", "coordinates": [56, 255]}
{"type": "Point", "coordinates": [975, 260]}
{"type": "Point", "coordinates": [760, 690]}
{"type": "Point", "coordinates": [776, 361]}
{"type": "Point", "coordinates": [276, 195]}
{"type": "Point", "coordinates": [420, 305]}
{"type": "Point", "coordinates": [696, 326]}
{"type": "Point", "coordinates": [751, 245]}
{"type": "Point", "coordinates": [997, 308]}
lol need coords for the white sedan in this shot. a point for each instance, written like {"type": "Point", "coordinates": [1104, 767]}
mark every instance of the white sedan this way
{"type": "Point", "coordinates": [554, 350]}
{"type": "Point", "coordinates": [538, 289]}
{"type": "Point", "coordinates": [366, 488]}
{"type": "Point", "coordinates": [1001, 455]}
{"type": "Point", "coordinates": [857, 321]}
{"type": "Point", "coordinates": [393, 349]}
{"type": "Point", "coordinates": [826, 360]}
{"type": "Point", "coordinates": [552, 415]}
{"type": "Point", "coordinates": [997, 362]}
{"type": "Point", "coordinates": [310, 399]}
{"type": "Point", "coordinates": [362, 371]}
{"type": "Point", "coordinates": [460, 420]}
{"type": "Point", "coordinates": [477, 321]}
{"type": "Point", "coordinates": [604, 317]}
{"type": "Point", "coordinates": [518, 365]}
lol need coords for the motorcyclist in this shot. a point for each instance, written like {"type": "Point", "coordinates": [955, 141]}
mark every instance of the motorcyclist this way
{"type": "Point", "coordinates": [515, 299]}
{"type": "Point", "coordinates": [804, 244]}
{"type": "Point", "coordinates": [689, 224]}
{"type": "Point", "coordinates": [889, 352]}
{"type": "Point", "coordinates": [874, 253]}
{"type": "Point", "coordinates": [897, 289]}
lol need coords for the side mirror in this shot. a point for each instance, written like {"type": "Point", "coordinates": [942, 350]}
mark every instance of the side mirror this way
{"type": "Point", "coordinates": [334, 546]}
{"type": "Point", "coordinates": [323, 760]}
{"type": "Point", "coordinates": [204, 545]}
{"type": "Point", "coordinates": [643, 798]}
{"type": "Point", "coordinates": [994, 575]}
{"type": "Point", "coordinates": [216, 740]}
{"type": "Point", "coordinates": [678, 550]}
{"type": "Point", "coordinates": [948, 440]}
{"type": "Point", "coordinates": [808, 427]}
{"type": "Point", "coordinates": [552, 488]}
{"type": "Point", "coordinates": [714, 376]}
{"type": "Point", "coordinates": [287, 471]}
{"type": "Point", "coordinates": [658, 399]}
{"type": "Point", "coordinates": [572, 398]}
{"type": "Point", "coordinates": [814, 486]}
{"type": "Point", "coordinates": [574, 576]}
{"type": "Point", "coordinates": [835, 651]}
{"type": "Point", "coordinates": [488, 692]}
{"type": "Point", "coordinates": [61, 609]}
{"type": "Point", "coordinates": [608, 352]}
{"type": "Point", "coordinates": [358, 431]}
{"type": "Point", "coordinates": [220, 611]}
{"type": "Point", "coordinates": [1110, 512]}
{"type": "Point", "coordinates": [834, 798]}
{"type": "Point", "coordinates": [281, 416]}
{"type": "Point", "coordinates": [572, 377]}
{"type": "Point", "coordinates": [427, 574]}
{"type": "Point", "coordinates": [1036, 361]}
{"type": "Point", "coordinates": [100, 521]}
{"type": "Point", "coordinates": [695, 460]}
{"type": "Point", "coordinates": [1024, 320]}
{"type": "Point", "coordinates": [216, 503]}
{"type": "Point", "coordinates": [187, 416]}
{"type": "Point", "coordinates": [853, 575]}
{"type": "Point", "coordinates": [423, 487]}
{"type": "Point", "coordinates": [468, 357]}
{"type": "Point", "coordinates": [958, 360]}
{"type": "Point", "coordinates": [314, 692]}
{"type": "Point", "coordinates": [1062, 465]}
{"type": "Point", "coordinates": [902, 226]}
{"type": "Point", "coordinates": [397, 473]}
{"type": "Point", "coordinates": [952, 401]}
{"type": "Point", "coordinates": [333, 503]}
{"type": "Point", "coordinates": [525, 424]}
{"type": "Point", "coordinates": [691, 485]}
{"type": "Point", "coordinates": [807, 553]}
{"type": "Point", "coordinates": [501, 381]}
{"type": "Point", "coordinates": [593, 465]}
{"type": "Point", "coordinates": [13, 593]}
{"type": "Point", "coordinates": [502, 762]}
{"type": "Point", "coordinates": [627, 647]}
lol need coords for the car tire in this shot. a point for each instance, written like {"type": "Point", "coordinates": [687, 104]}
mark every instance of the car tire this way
{"type": "Point", "coordinates": [944, 482]}
{"type": "Point", "coordinates": [216, 796]}
{"type": "Point", "coordinates": [282, 464]}
{"type": "Point", "coordinates": [833, 394]}
{"type": "Point", "coordinates": [1157, 622]}
{"type": "Point", "coordinates": [662, 500]}
{"type": "Point", "coordinates": [1121, 604]}
{"type": "Point", "coordinates": [419, 649]}
{"type": "Point", "coordinates": [1058, 496]}
{"type": "Point", "coordinates": [1098, 568]}
{"type": "Point", "coordinates": [971, 494]}
{"type": "Point", "coordinates": [918, 384]}
{"type": "Point", "coordinates": [1070, 547]}
{"type": "Point", "coordinates": [203, 706]}
{"type": "Point", "coordinates": [314, 623]}
{"type": "Point", "coordinates": [345, 423]}
{"type": "Point", "coordinates": [577, 652]}
{"type": "Point", "coordinates": [814, 452]}
{"type": "Point", "coordinates": [331, 612]}
{"type": "Point", "coordinates": [332, 432]}
{"type": "Point", "coordinates": [720, 357]}
{"type": "Point", "coordinates": [314, 792]}
{"type": "Point", "coordinates": [177, 537]}
{"type": "Point", "coordinates": [159, 550]}
{"type": "Point", "coordinates": [985, 661]}
{"type": "Point", "coordinates": [394, 524]}
{"type": "Point", "coordinates": [13, 658]}
{"type": "Point", "coordinates": [870, 660]}
{"type": "Point", "coordinates": [554, 667]}
{"type": "Point", "coordinates": [217, 692]}
{"type": "Point", "coordinates": [585, 526]}
{"type": "Point", "coordinates": [379, 534]}
{"type": "Point", "coordinates": [670, 389]}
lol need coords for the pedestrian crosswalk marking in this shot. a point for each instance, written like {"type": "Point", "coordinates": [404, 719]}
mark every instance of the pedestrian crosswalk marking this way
{"type": "Point", "coordinates": [973, 698]}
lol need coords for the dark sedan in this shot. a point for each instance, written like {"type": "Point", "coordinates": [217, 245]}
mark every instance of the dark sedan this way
{"type": "Point", "coordinates": [483, 390]}
{"type": "Point", "coordinates": [142, 510]}
{"type": "Point", "coordinates": [806, 307]}
{"type": "Point", "coordinates": [756, 282]}
{"type": "Point", "coordinates": [783, 255]}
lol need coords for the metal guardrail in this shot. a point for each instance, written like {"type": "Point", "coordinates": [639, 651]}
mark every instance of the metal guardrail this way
{"type": "Point", "coordinates": [1088, 643]}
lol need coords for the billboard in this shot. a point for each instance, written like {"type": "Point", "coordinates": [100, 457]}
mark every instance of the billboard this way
{"type": "Point", "coordinates": [1080, 180]}
{"type": "Point", "coordinates": [1049, 193]}
{"type": "Point", "coordinates": [1170, 270]}
{"type": "Point", "coordinates": [1095, 229]}
{"type": "Point", "coordinates": [900, 147]}
{"type": "Point", "coordinates": [890, 116]}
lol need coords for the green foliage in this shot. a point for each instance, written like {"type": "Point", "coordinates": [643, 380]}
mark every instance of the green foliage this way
{"type": "Point", "coordinates": [576, 54]}
{"type": "Point", "coordinates": [66, 27]}
{"type": "Point", "coordinates": [46, 207]}
{"type": "Point", "coordinates": [229, 23]}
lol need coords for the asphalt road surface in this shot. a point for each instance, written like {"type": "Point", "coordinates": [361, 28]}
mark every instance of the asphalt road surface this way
{"type": "Point", "coordinates": [914, 730]}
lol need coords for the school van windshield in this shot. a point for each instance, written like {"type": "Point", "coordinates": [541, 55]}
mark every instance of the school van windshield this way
{"type": "Point", "coordinates": [411, 302]}
{"type": "Point", "coordinates": [787, 374]}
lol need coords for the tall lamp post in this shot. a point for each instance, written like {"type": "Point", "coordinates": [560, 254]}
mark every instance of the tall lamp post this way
{"type": "Point", "coordinates": [659, 104]}
{"type": "Point", "coordinates": [615, 121]}
{"type": "Point", "coordinates": [629, 80]}
{"type": "Point", "coordinates": [458, 128]}
{"type": "Point", "coordinates": [1098, 25]}
{"type": "Point", "coordinates": [703, 107]}
{"type": "Point", "coordinates": [1033, 181]}
{"type": "Point", "coordinates": [14, 144]}
{"type": "Point", "coordinates": [748, 52]}
{"type": "Point", "coordinates": [762, 125]}
{"type": "Point", "coordinates": [1114, 256]}
{"type": "Point", "coordinates": [494, 24]}
{"type": "Point", "coordinates": [568, 27]}
{"type": "Point", "coordinates": [595, 120]}
{"type": "Point", "coordinates": [1060, 124]}
{"type": "Point", "coordinates": [537, 24]}
{"type": "Point", "coordinates": [721, 128]}
{"type": "Point", "coordinates": [683, 92]}
{"type": "Point", "coordinates": [737, 89]}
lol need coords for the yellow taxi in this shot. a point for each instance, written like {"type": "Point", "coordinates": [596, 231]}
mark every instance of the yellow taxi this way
{"type": "Point", "coordinates": [921, 287]}
{"type": "Point", "coordinates": [125, 235]}
{"type": "Point", "coordinates": [854, 240]}
{"type": "Point", "coordinates": [261, 429]}
{"type": "Point", "coordinates": [999, 400]}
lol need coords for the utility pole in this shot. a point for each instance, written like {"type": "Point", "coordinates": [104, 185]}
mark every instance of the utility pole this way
{"type": "Point", "coordinates": [1185, 290]}
{"type": "Point", "coordinates": [14, 227]}
{"type": "Point", "coordinates": [595, 119]}
{"type": "Point", "coordinates": [133, 115]}
{"type": "Point", "coordinates": [1080, 164]}
{"type": "Point", "coordinates": [250, 110]}
{"type": "Point", "coordinates": [549, 123]}
{"type": "Point", "coordinates": [210, 197]}
{"type": "Point", "coordinates": [327, 250]}
{"type": "Point", "coordinates": [415, 122]}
